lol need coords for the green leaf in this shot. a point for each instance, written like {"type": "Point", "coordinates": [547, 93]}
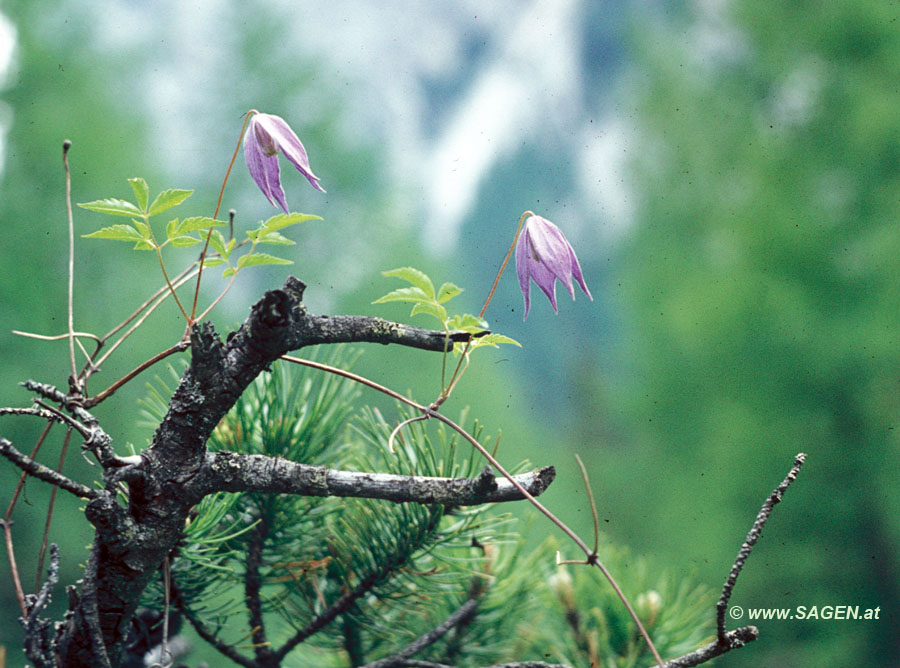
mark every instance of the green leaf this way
{"type": "Point", "coordinates": [116, 232]}
{"type": "Point", "coordinates": [494, 339]}
{"type": "Point", "coordinates": [255, 259]}
{"type": "Point", "coordinates": [211, 262]}
{"type": "Point", "coordinates": [184, 241]}
{"type": "Point", "coordinates": [143, 228]}
{"type": "Point", "coordinates": [229, 272]}
{"type": "Point", "coordinates": [275, 239]}
{"type": "Point", "coordinates": [167, 199]}
{"type": "Point", "coordinates": [217, 243]}
{"type": "Point", "coordinates": [144, 244]}
{"type": "Point", "coordinates": [113, 207]}
{"type": "Point", "coordinates": [141, 192]}
{"type": "Point", "coordinates": [283, 220]}
{"type": "Point", "coordinates": [447, 292]}
{"type": "Point", "coordinates": [405, 295]}
{"type": "Point", "coordinates": [195, 223]}
{"type": "Point", "coordinates": [468, 323]}
{"type": "Point", "coordinates": [414, 276]}
{"type": "Point", "coordinates": [432, 309]}
{"type": "Point", "coordinates": [170, 228]}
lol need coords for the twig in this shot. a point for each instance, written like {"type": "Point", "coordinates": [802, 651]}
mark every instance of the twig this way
{"type": "Point", "coordinates": [732, 640]}
{"type": "Point", "coordinates": [57, 337]}
{"type": "Point", "coordinates": [750, 541]}
{"type": "Point", "coordinates": [44, 473]}
{"type": "Point", "coordinates": [590, 493]}
{"type": "Point", "coordinates": [67, 144]}
{"type": "Point", "coordinates": [461, 614]}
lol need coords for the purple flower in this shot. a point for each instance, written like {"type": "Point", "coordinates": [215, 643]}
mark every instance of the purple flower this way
{"type": "Point", "coordinates": [542, 253]}
{"type": "Point", "coordinates": [267, 135]}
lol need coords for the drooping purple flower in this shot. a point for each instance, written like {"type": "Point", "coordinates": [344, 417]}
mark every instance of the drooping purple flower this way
{"type": "Point", "coordinates": [544, 254]}
{"type": "Point", "coordinates": [267, 135]}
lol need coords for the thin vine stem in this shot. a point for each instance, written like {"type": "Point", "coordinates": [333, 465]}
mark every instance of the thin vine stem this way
{"type": "Point", "coordinates": [591, 556]}
{"type": "Point", "coordinates": [457, 373]}
{"type": "Point", "coordinates": [216, 213]}
{"type": "Point", "coordinates": [46, 538]}
{"type": "Point", "coordinates": [67, 144]}
{"type": "Point", "coordinates": [7, 523]}
{"type": "Point", "coordinates": [169, 283]}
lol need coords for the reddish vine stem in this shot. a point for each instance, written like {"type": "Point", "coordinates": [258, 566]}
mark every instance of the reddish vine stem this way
{"type": "Point", "coordinates": [216, 213]}
{"type": "Point", "coordinates": [456, 372]}
{"type": "Point", "coordinates": [591, 556]}
{"type": "Point", "coordinates": [101, 396]}
{"type": "Point", "coordinates": [46, 539]}
{"type": "Point", "coordinates": [7, 523]}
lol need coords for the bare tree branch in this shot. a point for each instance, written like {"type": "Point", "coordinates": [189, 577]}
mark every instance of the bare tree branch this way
{"type": "Point", "coordinates": [44, 473]}
{"type": "Point", "coordinates": [750, 541]}
{"type": "Point", "coordinates": [729, 640]}
{"type": "Point", "coordinates": [233, 472]}
{"type": "Point", "coordinates": [733, 640]}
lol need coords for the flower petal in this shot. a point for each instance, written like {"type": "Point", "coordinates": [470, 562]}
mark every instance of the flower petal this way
{"type": "Point", "coordinates": [263, 168]}
{"type": "Point", "coordinates": [288, 142]}
{"type": "Point", "coordinates": [552, 248]}
{"type": "Point", "coordinates": [522, 270]}
{"type": "Point", "coordinates": [544, 255]}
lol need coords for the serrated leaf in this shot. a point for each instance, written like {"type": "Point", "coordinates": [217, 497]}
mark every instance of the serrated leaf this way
{"type": "Point", "coordinates": [404, 295]}
{"type": "Point", "coordinates": [113, 207]}
{"type": "Point", "coordinates": [211, 262]}
{"type": "Point", "coordinates": [195, 223]}
{"type": "Point", "coordinates": [141, 192]}
{"type": "Point", "coordinates": [143, 228]}
{"type": "Point", "coordinates": [447, 292]}
{"type": "Point", "coordinates": [228, 272]}
{"type": "Point", "coordinates": [167, 199]}
{"type": "Point", "coordinates": [117, 233]}
{"type": "Point", "coordinates": [275, 239]}
{"type": "Point", "coordinates": [282, 220]}
{"type": "Point", "coordinates": [430, 308]}
{"type": "Point", "coordinates": [414, 276]}
{"type": "Point", "coordinates": [468, 323]}
{"type": "Point", "coordinates": [217, 243]}
{"type": "Point", "coordinates": [255, 259]}
{"type": "Point", "coordinates": [184, 241]}
{"type": "Point", "coordinates": [170, 228]}
{"type": "Point", "coordinates": [494, 339]}
{"type": "Point", "coordinates": [144, 244]}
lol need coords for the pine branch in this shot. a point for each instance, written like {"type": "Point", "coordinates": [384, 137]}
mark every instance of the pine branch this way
{"type": "Point", "coordinates": [233, 472]}
{"type": "Point", "coordinates": [464, 612]}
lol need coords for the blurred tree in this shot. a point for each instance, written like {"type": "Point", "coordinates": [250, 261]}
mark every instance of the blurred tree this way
{"type": "Point", "coordinates": [761, 288]}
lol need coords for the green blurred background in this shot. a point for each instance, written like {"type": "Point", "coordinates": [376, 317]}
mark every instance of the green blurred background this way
{"type": "Point", "coordinates": [729, 173]}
